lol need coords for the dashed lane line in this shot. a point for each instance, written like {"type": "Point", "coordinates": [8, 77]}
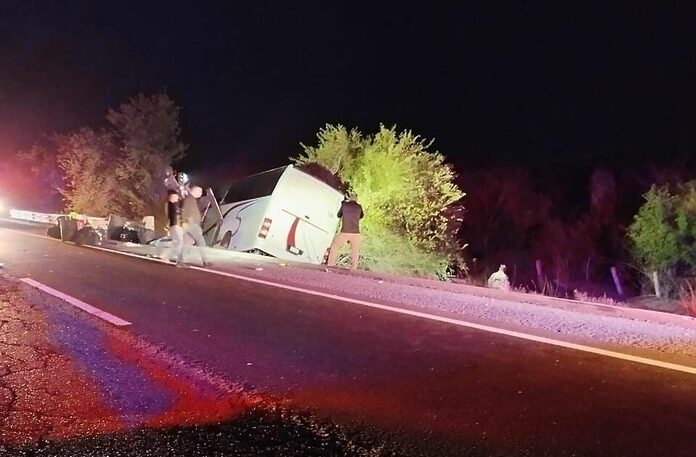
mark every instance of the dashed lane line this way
{"type": "Point", "coordinates": [77, 303]}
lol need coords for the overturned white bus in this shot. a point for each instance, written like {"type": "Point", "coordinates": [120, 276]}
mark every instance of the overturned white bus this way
{"type": "Point", "coordinates": [285, 213]}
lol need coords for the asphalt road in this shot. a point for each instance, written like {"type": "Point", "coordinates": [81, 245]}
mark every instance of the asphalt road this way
{"type": "Point", "coordinates": [430, 384]}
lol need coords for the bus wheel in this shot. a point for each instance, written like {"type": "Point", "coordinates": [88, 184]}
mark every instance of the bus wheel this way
{"type": "Point", "coordinates": [225, 243]}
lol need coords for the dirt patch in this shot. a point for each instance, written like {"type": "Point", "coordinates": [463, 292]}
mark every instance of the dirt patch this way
{"type": "Point", "coordinates": [658, 304]}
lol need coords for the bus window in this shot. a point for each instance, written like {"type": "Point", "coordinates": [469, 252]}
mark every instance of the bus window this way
{"type": "Point", "coordinates": [254, 186]}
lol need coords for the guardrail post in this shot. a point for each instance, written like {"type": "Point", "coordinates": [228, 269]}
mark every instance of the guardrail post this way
{"type": "Point", "coordinates": [617, 281]}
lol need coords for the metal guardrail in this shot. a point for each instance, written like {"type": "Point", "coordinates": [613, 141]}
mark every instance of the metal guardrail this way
{"type": "Point", "coordinates": [101, 223]}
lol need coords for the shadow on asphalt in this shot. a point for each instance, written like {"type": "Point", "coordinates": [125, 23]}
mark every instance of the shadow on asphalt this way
{"type": "Point", "coordinates": [257, 432]}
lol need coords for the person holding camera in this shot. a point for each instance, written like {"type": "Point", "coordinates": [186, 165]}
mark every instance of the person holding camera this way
{"type": "Point", "coordinates": [350, 214]}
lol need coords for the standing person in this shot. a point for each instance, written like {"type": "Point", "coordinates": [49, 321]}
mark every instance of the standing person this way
{"type": "Point", "coordinates": [350, 213]}
{"type": "Point", "coordinates": [170, 182]}
{"type": "Point", "coordinates": [191, 218]}
{"type": "Point", "coordinates": [176, 232]}
{"type": "Point", "coordinates": [176, 181]}
{"type": "Point", "coordinates": [184, 184]}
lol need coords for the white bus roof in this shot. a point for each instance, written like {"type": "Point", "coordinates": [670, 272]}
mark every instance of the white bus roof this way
{"type": "Point", "coordinates": [261, 184]}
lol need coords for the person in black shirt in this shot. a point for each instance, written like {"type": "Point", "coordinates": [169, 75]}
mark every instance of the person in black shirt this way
{"type": "Point", "coordinates": [176, 232]}
{"type": "Point", "coordinates": [350, 213]}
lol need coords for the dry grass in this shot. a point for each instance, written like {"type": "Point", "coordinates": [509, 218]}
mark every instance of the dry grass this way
{"type": "Point", "coordinates": [583, 296]}
{"type": "Point", "coordinates": [687, 297]}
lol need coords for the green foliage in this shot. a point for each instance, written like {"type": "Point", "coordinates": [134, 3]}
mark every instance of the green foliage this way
{"type": "Point", "coordinates": [338, 151]}
{"type": "Point", "coordinates": [685, 221]}
{"type": "Point", "coordinates": [147, 130]}
{"type": "Point", "coordinates": [85, 158]}
{"type": "Point", "coordinates": [120, 169]}
{"type": "Point", "coordinates": [653, 234]}
{"type": "Point", "coordinates": [405, 191]}
{"type": "Point", "coordinates": [663, 233]}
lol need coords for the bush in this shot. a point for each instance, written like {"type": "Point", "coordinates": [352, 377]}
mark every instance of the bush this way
{"type": "Point", "coordinates": [406, 191]}
{"type": "Point", "coordinates": [663, 234]}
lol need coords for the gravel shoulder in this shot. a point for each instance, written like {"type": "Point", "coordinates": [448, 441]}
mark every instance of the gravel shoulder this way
{"type": "Point", "coordinates": [635, 333]}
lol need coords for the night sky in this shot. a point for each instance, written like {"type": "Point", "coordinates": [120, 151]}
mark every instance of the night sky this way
{"type": "Point", "coordinates": [494, 83]}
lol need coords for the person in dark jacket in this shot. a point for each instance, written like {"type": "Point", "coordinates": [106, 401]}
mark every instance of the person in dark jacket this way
{"type": "Point", "coordinates": [350, 213]}
{"type": "Point", "coordinates": [176, 232]}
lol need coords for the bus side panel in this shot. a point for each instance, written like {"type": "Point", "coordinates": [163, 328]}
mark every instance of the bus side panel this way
{"type": "Point", "coordinates": [242, 223]}
{"type": "Point", "coordinates": [308, 198]}
{"type": "Point", "coordinates": [313, 242]}
{"type": "Point", "coordinates": [294, 238]}
{"type": "Point", "coordinates": [275, 243]}
{"type": "Point", "coordinates": [304, 218]}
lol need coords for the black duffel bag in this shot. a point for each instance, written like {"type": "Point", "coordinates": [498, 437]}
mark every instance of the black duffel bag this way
{"type": "Point", "coordinates": [87, 236]}
{"type": "Point", "coordinates": [128, 235]}
{"type": "Point", "coordinates": [53, 232]}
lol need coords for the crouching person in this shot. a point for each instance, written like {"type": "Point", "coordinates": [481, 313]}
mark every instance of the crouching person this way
{"type": "Point", "coordinates": [499, 280]}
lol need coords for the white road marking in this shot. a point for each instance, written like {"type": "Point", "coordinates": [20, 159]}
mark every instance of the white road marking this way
{"type": "Point", "coordinates": [77, 303]}
{"type": "Point", "coordinates": [461, 323]}
{"type": "Point", "coordinates": [130, 254]}
{"type": "Point", "coordinates": [433, 317]}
